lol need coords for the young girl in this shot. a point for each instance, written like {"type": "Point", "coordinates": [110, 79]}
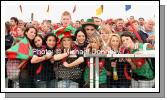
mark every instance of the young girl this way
{"type": "Point", "coordinates": [142, 68]}
{"type": "Point", "coordinates": [67, 69]}
{"type": "Point", "coordinates": [120, 70]}
{"type": "Point", "coordinates": [95, 46]}
{"type": "Point", "coordinates": [43, 68]}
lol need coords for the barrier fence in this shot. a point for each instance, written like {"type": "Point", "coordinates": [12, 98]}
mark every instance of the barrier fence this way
{"type": "Point", "coordinates": [94, 83]}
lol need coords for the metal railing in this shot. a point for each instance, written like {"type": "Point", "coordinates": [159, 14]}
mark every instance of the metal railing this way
{"type": "Point", "coordinates": [97, 56]}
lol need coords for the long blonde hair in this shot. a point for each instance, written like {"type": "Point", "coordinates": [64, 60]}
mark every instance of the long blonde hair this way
{"type": "Point", "coordinates": [116, 35]}
{"type": "Point", "coordinates": [97, 38]}
{"type": "Point", "coordinates": [105, 28]}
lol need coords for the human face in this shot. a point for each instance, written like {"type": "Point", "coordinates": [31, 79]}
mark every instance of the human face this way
{"type": "Point", "coordinates": [66, 20]}
{"type": "Point", "coordinates": [12, 22]}
{"type": "Point", "coordinates": [35, 24]}
{"type": "Point", "coordinates": [149, 25]}
{"type": "Point", "coordinates": [90, 30]}
{"type": "Point", "coordinates": [104, 35]}
{"type": "Point", "coordinates": [67, 42]}
{"type": "Point", "coordinates": [95, 44]}
{"type": "Point", "coordinates": [135, 25]}
{"type": "Point", "coordinates": [97, 21]}
{"type": "Point", "coordinates": [46, 27]}
{"type": "Point", "coordinates": [21, 24]}
{"type": "Point", "coordinates": [130, 29]}
{"type": "Point", "coordinates": [80, 37]}
{"type": "Point", "coordinates": [141, 22]}
{"type": "Point", "coordinates": [20, 32]}
{"type": "Point", "coordinates": [120, 24]}
{"type": "Point", "coordinates": [127, 42]}
{"type": "Point", "coordinates": [77, 24]}
{"type": "Point", "coordinates": [31, 33]}
{"type": "Point", "coordinates": [114, 42]}
{"type": "Point", "coordinates": [38, 41]}
{"type": "Point", "coordinates": [51, 42]}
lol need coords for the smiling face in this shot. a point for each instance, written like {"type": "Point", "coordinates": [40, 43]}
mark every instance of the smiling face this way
{"type": "Point", "coordinates": [104, 35]}
{"type": "Point", "coordinates": [66, 43]}
{"type": "Point", "coordinates": [149, 25]}
{"type": "Point", "coordinates": [115, 42]}
{"type": "Point", "coordinates": [81, 37]}
{"type": "Point", "coordinates": [127, 42]}
{"type": "Point", "coordinates": [38, 41]}
{"type": "Point", "coordinates": [31, 33]}
{"type": "Point", "coordinates": [95, 44]}
{"type": "Point", "coordinates": [51, 42]}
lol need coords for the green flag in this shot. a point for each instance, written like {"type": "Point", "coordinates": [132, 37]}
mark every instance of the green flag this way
{"type": "Point", "coordinates": [21, 50]}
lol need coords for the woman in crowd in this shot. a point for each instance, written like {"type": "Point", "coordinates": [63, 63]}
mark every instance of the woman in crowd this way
{"type": "Point", "coordinates": [81, 45]}
{"type": "Point", "coordinates": [25, 80]}
{"type": "Point", "coordinates": [120, 69]}
{"type": "Point", "coordinates": [142, 68]}
{"type": "Point", "coordinates": [43, 69]}
{"type": "Point", "coordinates": [67, 69]}
{"type": "Point", "coordinates": [105, 33]}
{"type": "Point", "coordinates": [94, 47]}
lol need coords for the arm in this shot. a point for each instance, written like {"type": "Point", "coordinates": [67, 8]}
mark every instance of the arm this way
{"type": "Point", "coordinates": [57, 57]}
{"type": "Point", "coordinates": [36, 59]}
{"type": "Point", "coordinates": [74, 63]}
{"type": "Point", "coordinates": [129, 60]}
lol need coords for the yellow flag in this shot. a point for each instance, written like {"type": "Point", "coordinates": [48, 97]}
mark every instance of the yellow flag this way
{"type": "Point", "coordinates": [99, 10]}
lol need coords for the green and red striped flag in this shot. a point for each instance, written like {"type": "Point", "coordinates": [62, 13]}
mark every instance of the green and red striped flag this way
{"type": "Point", "coordinates": [21, 50]}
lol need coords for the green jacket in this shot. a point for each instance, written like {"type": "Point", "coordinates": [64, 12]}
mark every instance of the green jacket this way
{"type": "Point", "coordinates": [144, 69]}
{"type": "Point", "coordinates": [102, 75]}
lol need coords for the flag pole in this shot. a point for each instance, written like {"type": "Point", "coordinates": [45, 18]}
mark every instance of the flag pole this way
{"type": "Point", "coordinates": [32, 16]}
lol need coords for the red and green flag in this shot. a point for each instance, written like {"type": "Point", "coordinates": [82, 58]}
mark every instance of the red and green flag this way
{"type": "Point", "coordinates": [21, 50]}
{"type": "Point", "coordinates": [59, 32]}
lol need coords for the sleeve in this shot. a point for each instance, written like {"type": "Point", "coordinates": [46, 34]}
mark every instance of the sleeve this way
{"type": "Point", "coordinates": [108, 64]}
{"type": "Point", "coordinates": [149, 47]}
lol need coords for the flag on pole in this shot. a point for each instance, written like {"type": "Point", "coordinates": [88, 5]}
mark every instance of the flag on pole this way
{"type": "Point", "coordinates": [21, 50]}
{"type": "Point", "coordinates": [99, 10]}
{"type": "Point", "coordinates": [74, 9]}
{"type": "Point", "coordinates": [127, 7]}
{"type": "Point", "coordinates": [47, 9]}
{"type": "Point", "coordinates": [32, 16]}
{"type": "Point", "coordinates": [20, 9]}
